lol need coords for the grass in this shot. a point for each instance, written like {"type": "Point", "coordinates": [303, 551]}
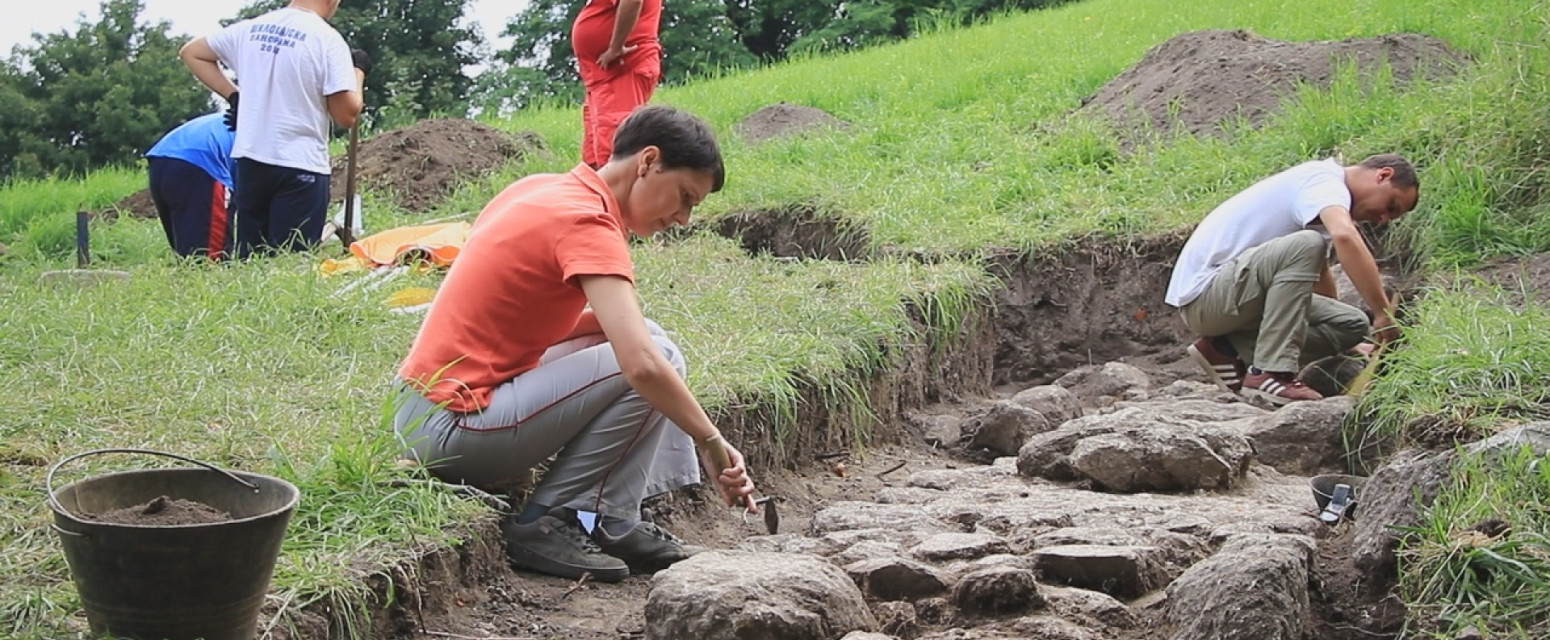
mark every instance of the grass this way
{"type": "Point", "coordinates": [958, 141]}
{"type": "Point", "coordinates": [1454, 576]}
{"type": "Point", "coordinates": [1474, 363]}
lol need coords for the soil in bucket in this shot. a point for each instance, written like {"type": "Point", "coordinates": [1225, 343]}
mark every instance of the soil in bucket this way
{"type": "Point", "coordinates": [172, 554]}
{"type": "Point", "coordinates": [163, 511]}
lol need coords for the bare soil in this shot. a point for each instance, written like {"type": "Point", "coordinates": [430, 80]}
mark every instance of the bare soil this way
{"type": "Point", "coordinates": [785, 119]}
{"type": "Point", "coordinates": [418, 166]}
{"type": "Point", "coordinates": [422, 163]}
{"type": "Point", "coordinates": [1201, 80]}
{"type": "Point", "coordinates": [1525, 279]}
{"type": "Point", "coordinates": [163, 511]}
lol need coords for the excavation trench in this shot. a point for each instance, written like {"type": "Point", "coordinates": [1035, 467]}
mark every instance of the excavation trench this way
{"type": "Point", "coordinates": [1063, 313]}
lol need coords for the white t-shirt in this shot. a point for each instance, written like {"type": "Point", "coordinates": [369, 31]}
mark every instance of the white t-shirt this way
{"type": "Point", "coordinates": [287, 61]}
{"type": "Point", "coordinates": [1280, 205]}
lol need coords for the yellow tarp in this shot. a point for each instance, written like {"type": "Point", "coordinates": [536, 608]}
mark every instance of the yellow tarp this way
{"type": "Point", "coordinates": [434, 244]}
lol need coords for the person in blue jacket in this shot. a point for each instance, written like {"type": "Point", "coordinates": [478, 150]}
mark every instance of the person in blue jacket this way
{"type": "Point", "coordinates": [191, 184]}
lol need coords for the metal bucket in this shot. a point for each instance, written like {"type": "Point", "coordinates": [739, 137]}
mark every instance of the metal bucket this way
{"type": "Point", "coordinates": [1324, 488]}
{"type": "Point", "coordinates": [172, 582]}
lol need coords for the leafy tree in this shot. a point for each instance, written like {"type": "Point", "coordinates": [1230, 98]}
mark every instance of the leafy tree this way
{"type": "Point", "coordinates": [419, 52]}
{"type": "Point", "coordinates": [72, 102]}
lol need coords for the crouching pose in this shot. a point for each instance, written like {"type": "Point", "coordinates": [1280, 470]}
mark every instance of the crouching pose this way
{"type": "Point", "coordinates": [535, 346]}
{"type": "Point", "coordinates": [1254, 281]}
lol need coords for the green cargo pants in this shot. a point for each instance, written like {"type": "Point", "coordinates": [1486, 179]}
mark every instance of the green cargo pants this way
{"type": "Point", "coordinates": [1263, 302]}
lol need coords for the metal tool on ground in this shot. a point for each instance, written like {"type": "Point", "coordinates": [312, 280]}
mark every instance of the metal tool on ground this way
{"type": "Point", "coordinates": [347, 231]}
{"type": "Point", "coordinates": [81, 274]}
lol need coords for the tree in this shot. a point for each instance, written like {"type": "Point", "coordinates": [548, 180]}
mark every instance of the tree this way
{"type": "Point", "coordinates": [419, 50]}
{"type": "Point", "coordinates": [99, 96]}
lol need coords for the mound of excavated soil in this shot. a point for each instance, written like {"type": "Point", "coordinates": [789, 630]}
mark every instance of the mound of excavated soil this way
{"type": "Point", "coordinates": [420, 164]}
{"type": "Point", "coordinates": [1202, 79]}
{"type": "Point", "coordinates": [785, 119]}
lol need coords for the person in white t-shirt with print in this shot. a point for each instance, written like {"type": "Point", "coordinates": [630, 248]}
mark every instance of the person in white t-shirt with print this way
{"type": "Point", "coordinates": [1254, 281]}
{"type": "Point", "coordinates": [296, 74]}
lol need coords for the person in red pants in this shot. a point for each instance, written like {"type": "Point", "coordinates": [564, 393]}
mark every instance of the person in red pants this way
{"type": "Point", "coordinates": [620, 62]}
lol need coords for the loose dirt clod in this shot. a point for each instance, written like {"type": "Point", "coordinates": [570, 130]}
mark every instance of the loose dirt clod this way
{"type": "Point", "coordinates": [163, 511]}
{"type": "Point", "coordinates": [1203, 79]}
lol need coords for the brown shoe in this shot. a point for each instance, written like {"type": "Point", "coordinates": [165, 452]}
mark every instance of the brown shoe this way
{"type": "Point", "coordinates": [1278, 388]}
{"type": "Point", "coordinates": [1224, 370]}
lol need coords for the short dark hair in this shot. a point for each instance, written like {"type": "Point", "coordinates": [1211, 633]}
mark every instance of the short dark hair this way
{"type": "Point", "coordinates": [685, 140]}
{"type": "Point", "coordinates": [1404, 174]}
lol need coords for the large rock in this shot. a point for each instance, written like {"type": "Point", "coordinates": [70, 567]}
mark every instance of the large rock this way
{"type": "Point", "coordinates": [1045, 455]}
{"type": "Point", "coordinates": [1003, 428]}
{"type": "Point", "coordinates": [719, 595]}
{"type": "Point", "coordinates": [1150, 459]}
{"type": "Point", "coordinates": [1121, 571]}
{"type": "Point", "coordinates": [1115, 379]}
{"type": "Point", "coordinates": [1254, 588]}
{"type": "Point", "coordinates": [1303, 438]}
{"type": "Point", "coordinates": [1056, 403]}
{"type": "Point", "coordinates": [997, 591]}
{"type": "Point", "coordinates": [896, 579]}
{"type": "Point", "coordinates": [1390, 502]}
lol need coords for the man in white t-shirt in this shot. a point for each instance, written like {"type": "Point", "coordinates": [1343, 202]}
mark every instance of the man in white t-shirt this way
{"type": "Point", "coordinates": [296, 74]}
{"type": "Point", "coordinates": [1254, 281]}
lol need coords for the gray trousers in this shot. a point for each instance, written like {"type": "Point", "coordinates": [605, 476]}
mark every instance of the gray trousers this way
{"type": "Point", "coordinates": [614, 450]}
{"type": "Point", "coordinates": [1263, 302]}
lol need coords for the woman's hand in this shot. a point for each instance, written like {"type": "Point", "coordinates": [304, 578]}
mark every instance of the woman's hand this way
{"type": "Point", "coordinates": [730, 473]}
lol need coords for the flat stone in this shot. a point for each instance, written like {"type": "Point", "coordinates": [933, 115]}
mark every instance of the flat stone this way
{"type": "Point", "coordinates": [1120, 571]}
{"type": "Point", "coordinates": [896, 579]}
{"type": "Point", "coordinates": [952, 546]}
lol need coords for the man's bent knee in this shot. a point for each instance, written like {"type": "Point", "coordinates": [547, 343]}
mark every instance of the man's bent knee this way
{"type": "Point", "coordinates": [1350, 326]}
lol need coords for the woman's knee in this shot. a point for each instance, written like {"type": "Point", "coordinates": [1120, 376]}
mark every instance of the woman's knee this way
{"type": "Point", "coordinates": [673, 354]}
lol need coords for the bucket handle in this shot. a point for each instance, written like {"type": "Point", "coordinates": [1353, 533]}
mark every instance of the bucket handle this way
{"type": "Point", "coordinates": [48, 481]}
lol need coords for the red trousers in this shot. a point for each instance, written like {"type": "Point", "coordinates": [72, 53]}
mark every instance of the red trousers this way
{"type": "Point", "coordinates": [611, 94]}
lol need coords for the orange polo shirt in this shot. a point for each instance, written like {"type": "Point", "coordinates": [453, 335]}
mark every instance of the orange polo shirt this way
{"type": "Point", "coordinates": [513, 291]}
{"type": "Point", "coordinates": [594, 28]}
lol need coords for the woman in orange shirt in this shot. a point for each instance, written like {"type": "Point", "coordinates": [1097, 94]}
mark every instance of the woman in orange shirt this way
{"type": "Point", "coordinates": [535, 346]}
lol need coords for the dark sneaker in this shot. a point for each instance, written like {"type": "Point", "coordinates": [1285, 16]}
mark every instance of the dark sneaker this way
{"type": "Point", "coordinates": [647, 548]}
{"type": "Point", "coordinates": [556, 545]}
{"type": "Point", "coordinates": [1224, 370]}
{"type": "Point", "coordinates": [1278, 388]}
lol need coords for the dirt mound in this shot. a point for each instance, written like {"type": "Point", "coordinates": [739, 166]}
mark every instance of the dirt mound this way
{"type": "Point", "coordinates": [137, 205]}
{"type": "Point", "coordinates": [785, 119]}
{"type": "Point", "coordinates": [421, 164]}
{"type": "Point", "coordinates": [164, 511]}
{"type": "Point", "coordinates": [1202, 79]}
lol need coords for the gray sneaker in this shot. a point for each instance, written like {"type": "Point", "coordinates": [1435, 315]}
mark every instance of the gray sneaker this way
{"type": "Point", "coordinates": [556, 545]}
{"type": "Point", "coordinates": [647, 548]}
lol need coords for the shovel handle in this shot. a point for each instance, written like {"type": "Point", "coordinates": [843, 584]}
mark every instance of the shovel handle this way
{"type": "Point", "coordinates": [48, 481]}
